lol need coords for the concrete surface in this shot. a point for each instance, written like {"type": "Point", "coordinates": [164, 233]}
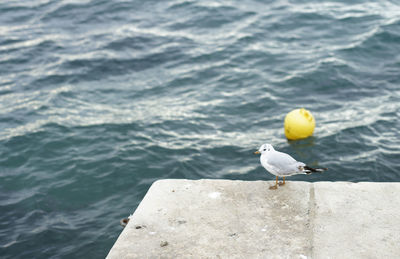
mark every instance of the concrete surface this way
{"type": "Point", "coordinates": [242, 219]}
{"type": "Point", "coordinates": [357, 220]}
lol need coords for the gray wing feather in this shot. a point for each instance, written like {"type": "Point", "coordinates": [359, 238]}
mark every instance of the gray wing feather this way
{"type": "Point", "coordinates": [284, 162]}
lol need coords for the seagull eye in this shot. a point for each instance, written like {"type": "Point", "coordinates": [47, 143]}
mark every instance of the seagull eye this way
{"type": "Point", "coordinates": [264, 149]}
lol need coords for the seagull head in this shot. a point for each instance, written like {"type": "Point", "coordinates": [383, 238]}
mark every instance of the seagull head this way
{"type": "Point", "coordinates": [265, 148]}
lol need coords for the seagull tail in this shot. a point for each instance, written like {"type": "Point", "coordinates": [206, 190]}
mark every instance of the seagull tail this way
{"type": "Point", "coordinates": [310, 170]}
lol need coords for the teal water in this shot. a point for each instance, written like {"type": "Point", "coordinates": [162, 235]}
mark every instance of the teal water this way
{"type": "Point", "coordinates": [98, 99]}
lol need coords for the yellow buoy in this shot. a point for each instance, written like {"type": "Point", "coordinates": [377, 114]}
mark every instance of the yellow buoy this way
{"type": "Point", "coordinates": [299, 124]}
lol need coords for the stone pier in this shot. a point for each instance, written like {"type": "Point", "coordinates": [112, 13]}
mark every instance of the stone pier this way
{"type": "Point", "coordinates": [244, 219]}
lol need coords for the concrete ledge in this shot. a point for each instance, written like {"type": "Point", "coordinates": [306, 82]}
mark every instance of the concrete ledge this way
{"type": "Point", "coordinates": [242, 219]}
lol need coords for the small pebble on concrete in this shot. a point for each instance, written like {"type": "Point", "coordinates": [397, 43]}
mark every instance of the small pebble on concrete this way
{"type": "Point", "coordinates": [139, 226]}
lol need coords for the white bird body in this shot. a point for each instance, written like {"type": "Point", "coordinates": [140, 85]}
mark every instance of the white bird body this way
{"type": "Point", "coordinates": [282, 164]}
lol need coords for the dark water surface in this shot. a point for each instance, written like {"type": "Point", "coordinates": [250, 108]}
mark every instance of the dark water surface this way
{"type": "Point", "coordinates": [98, 99]}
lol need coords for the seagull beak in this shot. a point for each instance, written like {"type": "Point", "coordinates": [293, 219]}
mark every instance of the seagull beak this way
{"type": "Point", "coordinates": [257, 152]}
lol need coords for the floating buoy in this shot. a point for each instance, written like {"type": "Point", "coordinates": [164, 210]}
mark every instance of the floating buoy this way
{"type": "Point", "coordinates": [299, 124]}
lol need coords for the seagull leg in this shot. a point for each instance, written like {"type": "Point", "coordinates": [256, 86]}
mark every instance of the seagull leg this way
{"type": "Point", "coordinates": [282, 183]}
{"type": "Point", "coordinates": [274, 187]}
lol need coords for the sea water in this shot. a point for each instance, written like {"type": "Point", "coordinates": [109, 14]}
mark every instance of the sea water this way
{"type": "Point", "coordinates": [100, 98]}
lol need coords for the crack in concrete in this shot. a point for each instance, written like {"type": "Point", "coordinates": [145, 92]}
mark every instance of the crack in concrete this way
{"type": "Point", "coordinates": [311, 218]}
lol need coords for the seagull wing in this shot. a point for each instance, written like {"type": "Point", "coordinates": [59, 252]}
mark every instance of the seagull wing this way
{"type": "Point", "coordinates": [284, 162]}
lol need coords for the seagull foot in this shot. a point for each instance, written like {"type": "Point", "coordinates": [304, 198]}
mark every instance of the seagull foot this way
{"type": "Point", "coordinates": [281, 183]}
{"type": "Point", "coordinates": [273, 187]}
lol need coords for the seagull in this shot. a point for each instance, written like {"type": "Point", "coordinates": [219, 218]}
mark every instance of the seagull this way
{"type": "Point", "coordinates": [282, 164]}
